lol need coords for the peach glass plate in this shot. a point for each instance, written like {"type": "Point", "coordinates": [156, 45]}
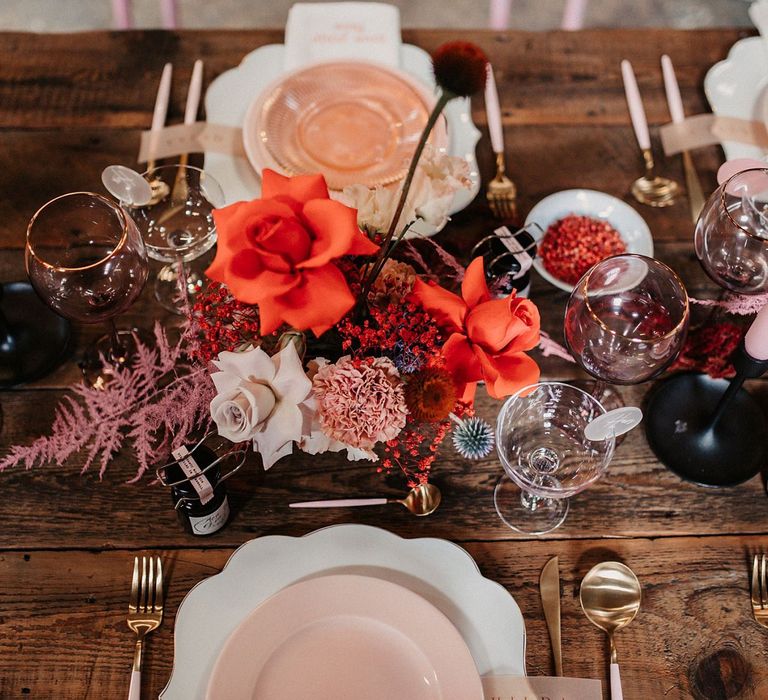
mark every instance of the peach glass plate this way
{"type": "Point", "coordinates": [354, 122]}
{"type": "Point", "coordinates": [344, 638]}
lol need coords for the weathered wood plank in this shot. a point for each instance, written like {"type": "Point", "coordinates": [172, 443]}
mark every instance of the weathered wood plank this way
{"type": "Point", "coordinates": [638, 497]}
{"type": "Point", "coordinates": [544, 78]}
{"type": "Point", "coordinates": [37, 166]}
{"type": "Point", "coordinates": [63, 623]}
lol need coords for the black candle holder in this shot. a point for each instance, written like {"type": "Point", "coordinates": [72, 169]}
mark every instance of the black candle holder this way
{"type": "Point", "coordinates": [33, 339]}
{"type": "Point", "coordinates": [710, 431]}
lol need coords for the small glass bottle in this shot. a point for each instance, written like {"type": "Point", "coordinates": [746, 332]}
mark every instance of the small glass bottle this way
{"type": "Point", "coordinates": [508, 259]}
{"type": "Point", "coordinates": [198, 517]}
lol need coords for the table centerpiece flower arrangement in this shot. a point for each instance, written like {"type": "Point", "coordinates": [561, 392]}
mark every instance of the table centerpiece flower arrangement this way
{"type": "Point", "coordinates": [296, 267]}
{"type": "Point", "coordinates": [314, 336]}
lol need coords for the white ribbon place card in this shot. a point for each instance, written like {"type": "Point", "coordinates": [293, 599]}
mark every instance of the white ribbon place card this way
{"type": "Point", "coordinates": [329, 31]}
{"type": "Point", "coordinates": [541, 688]}
{"type": "Point", "coordinates": [708, 129]}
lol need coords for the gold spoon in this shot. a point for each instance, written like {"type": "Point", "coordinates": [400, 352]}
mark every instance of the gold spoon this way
{"type": "Point", "coordinates": [421, 500]}
{"type": "Point", "coordinates": [610, 598]}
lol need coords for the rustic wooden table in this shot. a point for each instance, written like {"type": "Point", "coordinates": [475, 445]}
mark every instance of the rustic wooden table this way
{"type": "Point", "coordinates": [72, 104]}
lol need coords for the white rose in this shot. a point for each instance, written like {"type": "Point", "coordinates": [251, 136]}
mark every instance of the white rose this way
{"type": "Point", "coordinates": [375, 207]}
{"type": "Point", "coordinates": [239, 412]}
{"type": "Point", "coordinates": [437, 178]}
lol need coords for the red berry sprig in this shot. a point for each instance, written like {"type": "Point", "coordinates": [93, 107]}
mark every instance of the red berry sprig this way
{"type": "Point", "coordinates": [222, 322]}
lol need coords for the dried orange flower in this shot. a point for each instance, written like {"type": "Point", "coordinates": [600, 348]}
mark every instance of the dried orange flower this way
{"type": "Point", "coordinates": [430, 395]}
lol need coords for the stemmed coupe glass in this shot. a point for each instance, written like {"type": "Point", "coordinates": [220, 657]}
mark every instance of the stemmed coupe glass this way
{"type": "Point", "coordinates": [546, 455]}
{"type": "Point", "coordinates": [87, 261]}
{"type": "Point", "coordinates": [178, 228]}
{"type": "Point", "coordinates": [710, 431]}
{"type": "Point", "coordinates": [626, 321]}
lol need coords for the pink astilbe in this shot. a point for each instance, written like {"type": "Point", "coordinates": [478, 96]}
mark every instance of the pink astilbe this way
{"type": "Point", "coordinates": [453, 270]}
{"type": "Point", "coordinates": [552, 347]}
{"type": "Point", "coordinates": [155, 403]}
{"type": "Point", "coordinates": [738, 304]}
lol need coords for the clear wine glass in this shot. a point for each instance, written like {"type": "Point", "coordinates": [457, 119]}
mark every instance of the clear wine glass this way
{"type": "Point", "coordinates": [178, 228]}
{"type": "Point", "coordinates": [546, 455]}
{"type": "Point", "coordinates": [626, 321]}
{"type": "Point", "coordinates": [87, 261]}
{"type": "Point", "coordinates": [731, 238]}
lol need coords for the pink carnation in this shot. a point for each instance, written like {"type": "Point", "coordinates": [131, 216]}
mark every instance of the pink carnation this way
{"type": "Point", "coordinates": [360, 403]}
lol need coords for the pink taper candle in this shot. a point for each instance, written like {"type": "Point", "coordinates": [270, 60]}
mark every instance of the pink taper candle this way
{"type": "Point", "coordinates": [121, 11]}
{"type": "Point", "coordinates": [756, 339]}
{"type": "Point", "coordinates": [635, 104]}
{"type": "Point", "coordinates": [573, 15]}
{"type": "Point", "coordinates": [499, 14]}
{"type": "Point", "coordinates": [169, 14]}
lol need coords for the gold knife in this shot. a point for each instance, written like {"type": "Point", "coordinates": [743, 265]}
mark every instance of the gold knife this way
{"type": "Point", "coordinates": [549, 588]}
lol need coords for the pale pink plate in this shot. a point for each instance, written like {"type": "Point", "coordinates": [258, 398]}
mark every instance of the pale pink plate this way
{"type": "Point", "coordinates": [345, 638]}
{"type": "Point", "coordinates": [354, 122]}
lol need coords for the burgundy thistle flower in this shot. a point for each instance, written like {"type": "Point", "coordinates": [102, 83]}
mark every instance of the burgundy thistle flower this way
{"type": "Point", "coordinates": [460, 68]}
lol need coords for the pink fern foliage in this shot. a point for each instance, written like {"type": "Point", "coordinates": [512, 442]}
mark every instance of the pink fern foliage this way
{"type": "Point", "coordinates": [551, 347]}
{"type": "Point", "coordinates": [738, 304]}
{"type": "Point", "coordinates": [155, 404]}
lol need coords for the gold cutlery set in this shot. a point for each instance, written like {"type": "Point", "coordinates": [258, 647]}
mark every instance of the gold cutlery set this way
{"type": "Point", "coordinates": [145, 611]}
{"type": "Point", "coordinates": [759, 590]}
{"type": "Point", "coordinates": [610, 597]}
{"type": "Point", "coordinates": [501, 192]}
{"type": "Point", "coordinates": [650, 188]}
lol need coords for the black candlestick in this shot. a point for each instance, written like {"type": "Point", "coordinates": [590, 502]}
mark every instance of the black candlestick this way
{"type": "Point", "coordinates": [710, 431]}
{"type": "Point", "coordinates": [33, 339]}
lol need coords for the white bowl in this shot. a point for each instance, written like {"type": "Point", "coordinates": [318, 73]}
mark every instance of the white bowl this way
{"type": "Point", "coordinates": [598, 205]}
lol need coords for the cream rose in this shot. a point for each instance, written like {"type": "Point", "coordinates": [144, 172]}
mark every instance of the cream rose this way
{"type": "Point", "coordinates": [240, 411]}
{"type": "Point", "coordinates": [260, 399]}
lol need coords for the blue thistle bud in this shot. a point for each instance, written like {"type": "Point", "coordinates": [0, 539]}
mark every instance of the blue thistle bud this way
{"type": "Point", "coordinates": [473, 438]}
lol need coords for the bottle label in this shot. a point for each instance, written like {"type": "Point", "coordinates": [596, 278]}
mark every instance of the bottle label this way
{"type": "Point", "coordinates": [192, 470]}
{"type": "Point", "coordinates": [208, 524]}
{"type": "Point", "coordinates": [511, 243]}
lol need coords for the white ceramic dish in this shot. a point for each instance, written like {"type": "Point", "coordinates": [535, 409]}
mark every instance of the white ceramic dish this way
{"type": "Point", "coordinates": [345, 638]}
{"type": "Point", "coordinates": [736, 87]}
{"type": "Point", "coordinates": [230, 94]}
{"type": "Point", "coordinates": [486, 615]}
{"type": "Point", "coordinates": [630, 225]}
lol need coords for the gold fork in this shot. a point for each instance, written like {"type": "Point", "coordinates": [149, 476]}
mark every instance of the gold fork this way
{"type": "Point", "coordinates": [501, 192]}
{"type": "Point", "coordinates": [145, 611]}
{"type": "Point", "coordinates": [760, 590]}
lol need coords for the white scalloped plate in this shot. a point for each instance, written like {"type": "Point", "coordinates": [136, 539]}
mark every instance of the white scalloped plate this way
{"type": "Point", "coordinates": [736, 87]}
{"type": "Point", "coordinates": [230, 94]}
{"type": "Point", "coordinates": [486, 615]}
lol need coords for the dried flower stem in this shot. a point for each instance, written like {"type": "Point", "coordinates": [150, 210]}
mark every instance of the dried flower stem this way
{"type": "Point", "coordinates": [391, 240]}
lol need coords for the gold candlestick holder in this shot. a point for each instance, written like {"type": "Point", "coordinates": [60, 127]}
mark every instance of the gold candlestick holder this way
{"type": "Point", "coordinates": [652, 189]}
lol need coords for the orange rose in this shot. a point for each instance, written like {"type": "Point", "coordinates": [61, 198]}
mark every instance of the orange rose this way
{"type": "Point", "coordinates": [277, 252]}
{"type": "Point", "coordinates": [488, 336]}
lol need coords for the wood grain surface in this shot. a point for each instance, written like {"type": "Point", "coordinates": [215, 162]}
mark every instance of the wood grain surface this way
{"type": "Point", "coordinates": [72, 104]}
